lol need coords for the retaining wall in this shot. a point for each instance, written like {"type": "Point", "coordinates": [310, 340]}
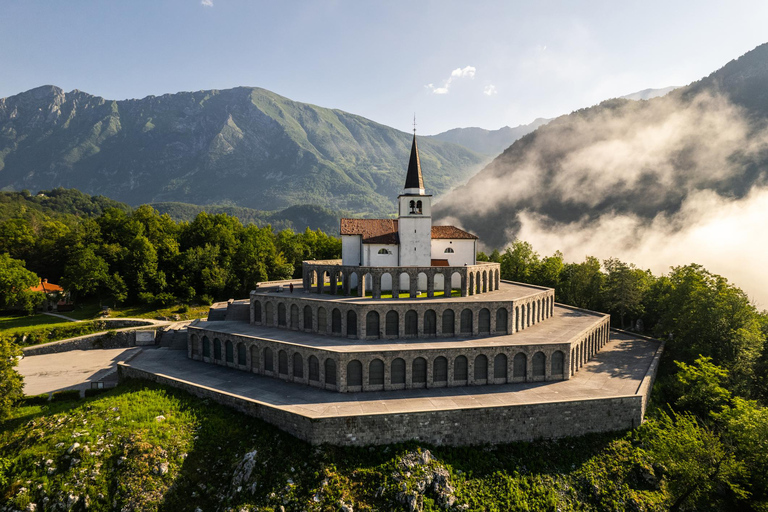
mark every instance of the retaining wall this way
{"type": "Point", "coordinates": [126, 337]}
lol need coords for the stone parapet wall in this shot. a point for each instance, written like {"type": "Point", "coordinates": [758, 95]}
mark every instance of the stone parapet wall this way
{"type": "Point", "coordinates": [376, 370]}
{"type": "Point", "coordinates": [453, 427]}
{"type": "Point", "coordinates": [371, 320]}
{"type": "Point", "coordinates": [483, 277]}
{"type": "Point", "coordinates": [122, 338]}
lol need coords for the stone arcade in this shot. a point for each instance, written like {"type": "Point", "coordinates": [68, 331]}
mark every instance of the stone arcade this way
{"type": "Point", "coordinates": [409, 337]}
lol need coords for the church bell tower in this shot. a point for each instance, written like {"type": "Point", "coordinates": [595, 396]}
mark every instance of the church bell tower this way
{"type": "Point", "coordinates": [414, 216]}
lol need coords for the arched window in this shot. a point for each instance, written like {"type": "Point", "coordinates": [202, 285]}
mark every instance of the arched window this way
{"type": "Point", "coordinates": [241, 354]}
{"type": "Point", "coordinates": [418, 207]}
{"type": "Point", "coordinates": [336, 321]}
{"type": "Point", "coordinates": [419, 371]}
{"type": "Point", "coordinates": [481, 367]}
{"type": "Point", "coordinates": [440, 370]}
{"type": "Point", "coordinates": [500, 366]}
{"type": "Point", "coordinates": [354, 373]}
{"type": "Point", "coordinates": [449, 322]}
{"type": "Point", "coordinates": [411, 323]}
{"type": "Point", "coordinates": [216, 349]}
{"type": "Point", "coordinates": [397, 373]}
{"type": "Point", "coordinates": [539, 364]}
{"type": "Point", "coordinates": [330, 371]}
{"type": "Point", "coordinates": [466, 321]}
{"type": "Point", "coordinates": [384, 251]}
{"type": "Point", "coordinates": [412, 204]}
{"type": "Point", "coordinates": [351, 323]}
{"type": "Point", "coordinates": [206, 347]}
{"type": "Point", "coordinates": [298, 365]}
{"type": "Point", "coordinates": [393, 323]}
{"type": "Point", "coordinates": [314, 369]}
{"type": "Point", "coordinates": [430, 322]}
{"type": "Point", "coordinates": [376, 373]}
{"type": "Point", "coordinates": [460, 368]}
{"type": "Point", "coordinates": [372, 324]}
{"type": "Point", "coordinates": [448, 250]}
{"type": "Point", "coordinates": [557, 363]}
{"type": "Point", "coordinates": [229, 351]}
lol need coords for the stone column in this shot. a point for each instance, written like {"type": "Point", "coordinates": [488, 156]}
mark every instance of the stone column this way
{"type": "Point", "coordinates": [376, 285]}
{"type": "Point", "coordinates": [395, 286]}
{"type": "Point", "coordinates": [320, 281]}
{"type": "Point", "coordinates": [447, 285]}
{"type": "Point", "coordinates": [345, 281]}
{"type": "Point", "coordinates": [431, 284]}
{"type": "Point", "coordinates": [464, 284]}
{"type": "Point", "coordinates": [334, 281]}
{"type": "Point", "coordinates": [414, 282]}
{"type": "Point", "coordinates": [361, 286]}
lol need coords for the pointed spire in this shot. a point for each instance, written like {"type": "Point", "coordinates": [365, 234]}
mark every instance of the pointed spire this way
{"type": "Point", "coordinates": [413, 179]}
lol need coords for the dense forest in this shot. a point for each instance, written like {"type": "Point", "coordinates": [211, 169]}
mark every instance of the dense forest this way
{"type": "Point", "coordinates": [703, 446]}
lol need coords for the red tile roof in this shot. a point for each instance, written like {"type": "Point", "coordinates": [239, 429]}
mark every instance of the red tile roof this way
{"type": "Point", "coordinates": [384, 231]}
{"type": "Point", "coordinates": [45, 286]}
{"type": "Point", "coordinates": [439, 263]}
{"type": "Point", "coordinates": [451, 232]}
{"type": "Point", "coordinates": [373, 231]}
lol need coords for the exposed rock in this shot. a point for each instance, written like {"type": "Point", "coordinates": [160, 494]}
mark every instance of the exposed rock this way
{"type": "Point", "coordinates": [424, 475]}
{"type": "Point", "coordinates": [72, 448]}
{"type": "Point", "coordinates": [244, 469]}
{"type": "Point", "coordinates": [159, 418]}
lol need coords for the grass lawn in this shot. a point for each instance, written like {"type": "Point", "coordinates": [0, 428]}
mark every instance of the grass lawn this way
{"type": "Point", "coordinates": [142, 446]}
{"type": "Point", "coordinates": [13, 322]}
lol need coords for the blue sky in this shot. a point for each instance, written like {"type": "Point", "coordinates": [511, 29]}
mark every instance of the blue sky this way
{"type": "Point", "coordinates": [477, 63]}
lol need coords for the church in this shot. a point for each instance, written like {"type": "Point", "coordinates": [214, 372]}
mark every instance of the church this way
{"type": "Point", "coordinates": [410, 240]}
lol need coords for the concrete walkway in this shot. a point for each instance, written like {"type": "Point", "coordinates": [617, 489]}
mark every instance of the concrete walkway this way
{"type": "Point", "coordinates": [67, 318]}
{"type": "Point", "coordinates": [70, 370]}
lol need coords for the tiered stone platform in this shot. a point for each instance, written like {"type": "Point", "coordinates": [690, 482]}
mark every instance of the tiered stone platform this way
{"type": "Point", "coordinates": [608, 393]}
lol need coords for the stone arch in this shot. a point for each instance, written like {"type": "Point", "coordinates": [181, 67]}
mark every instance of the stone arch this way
{"type": "Point", "coordinates": [449, 322]}
{"type": "Point", "coordinates": [241, 354]}
{"type": "Point", "coordinates": [354, 373]}
{"type": "Point", "coordinates": [294, 317]}
{"type": "Point", "coordinates": [367, 284]}
{"type": "Point", "coordinates": [269, 363]}
{"type": "Point", "coordinates": [307, 318]}
{"type": "Point", "coordinates": [314, 369]}
{"type": "Point", "coordinates": [282, 362]}
{"type": "Point", "coordinates": [471, 287]}
{"type": "Point", "coordinates": [352, 283]}
{"type": "Point", "coordinates": [501, 321]}
{"type": "Point", "coordinates": [351, 323]}
{"type": "Point", "coordinates": [484, 321]}
{"type": "Point", "coordinates": [216, 349]}
{"type": "Point", "coordinates": [269, 313]}
{"type": "Point", "coordinates": [386, 282]}
{"type": "Point", "coordinates": [322, 320]}
{"type": "Point", "coordinates": [330, 371]}
{"type": "Point", "coordinates": [440, 370]}
{"type": "Point", "coordinates": [404, 280]}
{"type": "Point", "coordinates": [460, 368]}
{"type": "Point", "coordinates": [558, 358]}
{"type": "Point", "coordinates": [376, 373]}
{"type": "Point", "coordinates": [298, 366]}
{"type": "Point", "coordinates": [257, 311]}
{"type": "Point", "coordinates": [422, 282]}
{"type": "Point", "coordinates": [500, 366]}
{"type": "Point", "coordinates": [430, 322]}
{"type": "Point", "coordinates": [466, 321]}
{"type": "Point", "coordinates": [481, 367]}
{"type": "Point", "coordinates": [419, 371]}
{"type": "Point", "coordinates": [281, 320]}
{"type": "Point", "coordinates": [206, 347]}
{"type": "Point", "coordinates": [229, 352]}
{"type": "Point", "coordinates": [392, 323]}
{"type": "Point", "coordinates": [411, 323]}
{"type": "Point", "coordinates": [254, 358]}
{"type": "Point", "coordinates": [457, 281]}
{"type": "Point", "coordinates": [520, 366]}
{"type": "Point", "coordinates": [336, 321]}
{"type": "Point", "coordinates": [372, 324]}
{"type": "Point", "coordinates": [539, 364]}
{"type": "Point", "coordinates": [438, 282]}
{"type": "Point", "coordinates": [397, 371]}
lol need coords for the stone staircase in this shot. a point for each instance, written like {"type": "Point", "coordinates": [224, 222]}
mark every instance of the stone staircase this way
{"type": "Point", "coordinates": [174, 337]}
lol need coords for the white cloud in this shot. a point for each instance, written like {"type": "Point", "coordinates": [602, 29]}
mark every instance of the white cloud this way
{"type": "Point", "coordinates": [466, 72]}
{"type": "Point", "coordinates": [207, 3]}
{"type": "Point", "coordinates": [490, 90]}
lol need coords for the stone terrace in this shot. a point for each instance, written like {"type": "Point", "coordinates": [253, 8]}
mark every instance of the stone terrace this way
{"type": "Point", "coordinates": [609, 393]}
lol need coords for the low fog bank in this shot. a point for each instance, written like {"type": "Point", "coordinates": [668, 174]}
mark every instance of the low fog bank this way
{"type": "Point", "coordinates": [727, 237]}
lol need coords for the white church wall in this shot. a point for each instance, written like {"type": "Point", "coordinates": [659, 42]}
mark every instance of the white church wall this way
{"type": "Point", "coordinates": [350, 249]}
{"type": "Point", "coordinates": [372, 258]}
{"type": "Point", "coordinates": [463, 251]}
{"type": "Point", "coordinates": [415, 241]}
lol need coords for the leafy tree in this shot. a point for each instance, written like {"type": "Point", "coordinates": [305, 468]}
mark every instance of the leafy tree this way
{"type": "Point", "coordinates": [86, 272]}
{"type": "Point", "coordinates": [625, 286]}
{"type": "Point", "coordinates": [15, 284]}
{"type": "Point", "coordinates": [582, 284]}
{"type": "Point", "coordinates": [519, 262]}
{"type": "Point", "coordinates": [700, 387]}
{"type": "Point", "coordinates": [694, 460]}
{"type": "Point", "coordinates": [11, 383]}
{"type": "Point", "coordinates": [549, 271]}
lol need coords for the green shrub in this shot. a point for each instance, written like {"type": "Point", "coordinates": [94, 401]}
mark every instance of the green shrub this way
{"type": "Point", "coordinates": [147, 298]}
{"type": "Point", "coordinates": [66, 395]}
{"type": "Point", "coordinates": [95, 391]}
{"type": "Point", "coordinates": [206, 300]}
{"type": "Point", "coordinates": [165, 299]}
{"type": "Point", "coordinates": [183, 309]}
{"type": "Point", "coordinates": [35, 399]}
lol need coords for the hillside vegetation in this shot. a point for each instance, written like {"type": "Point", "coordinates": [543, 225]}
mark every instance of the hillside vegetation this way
{"type": "Point", "coordinates": [245, 146]}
